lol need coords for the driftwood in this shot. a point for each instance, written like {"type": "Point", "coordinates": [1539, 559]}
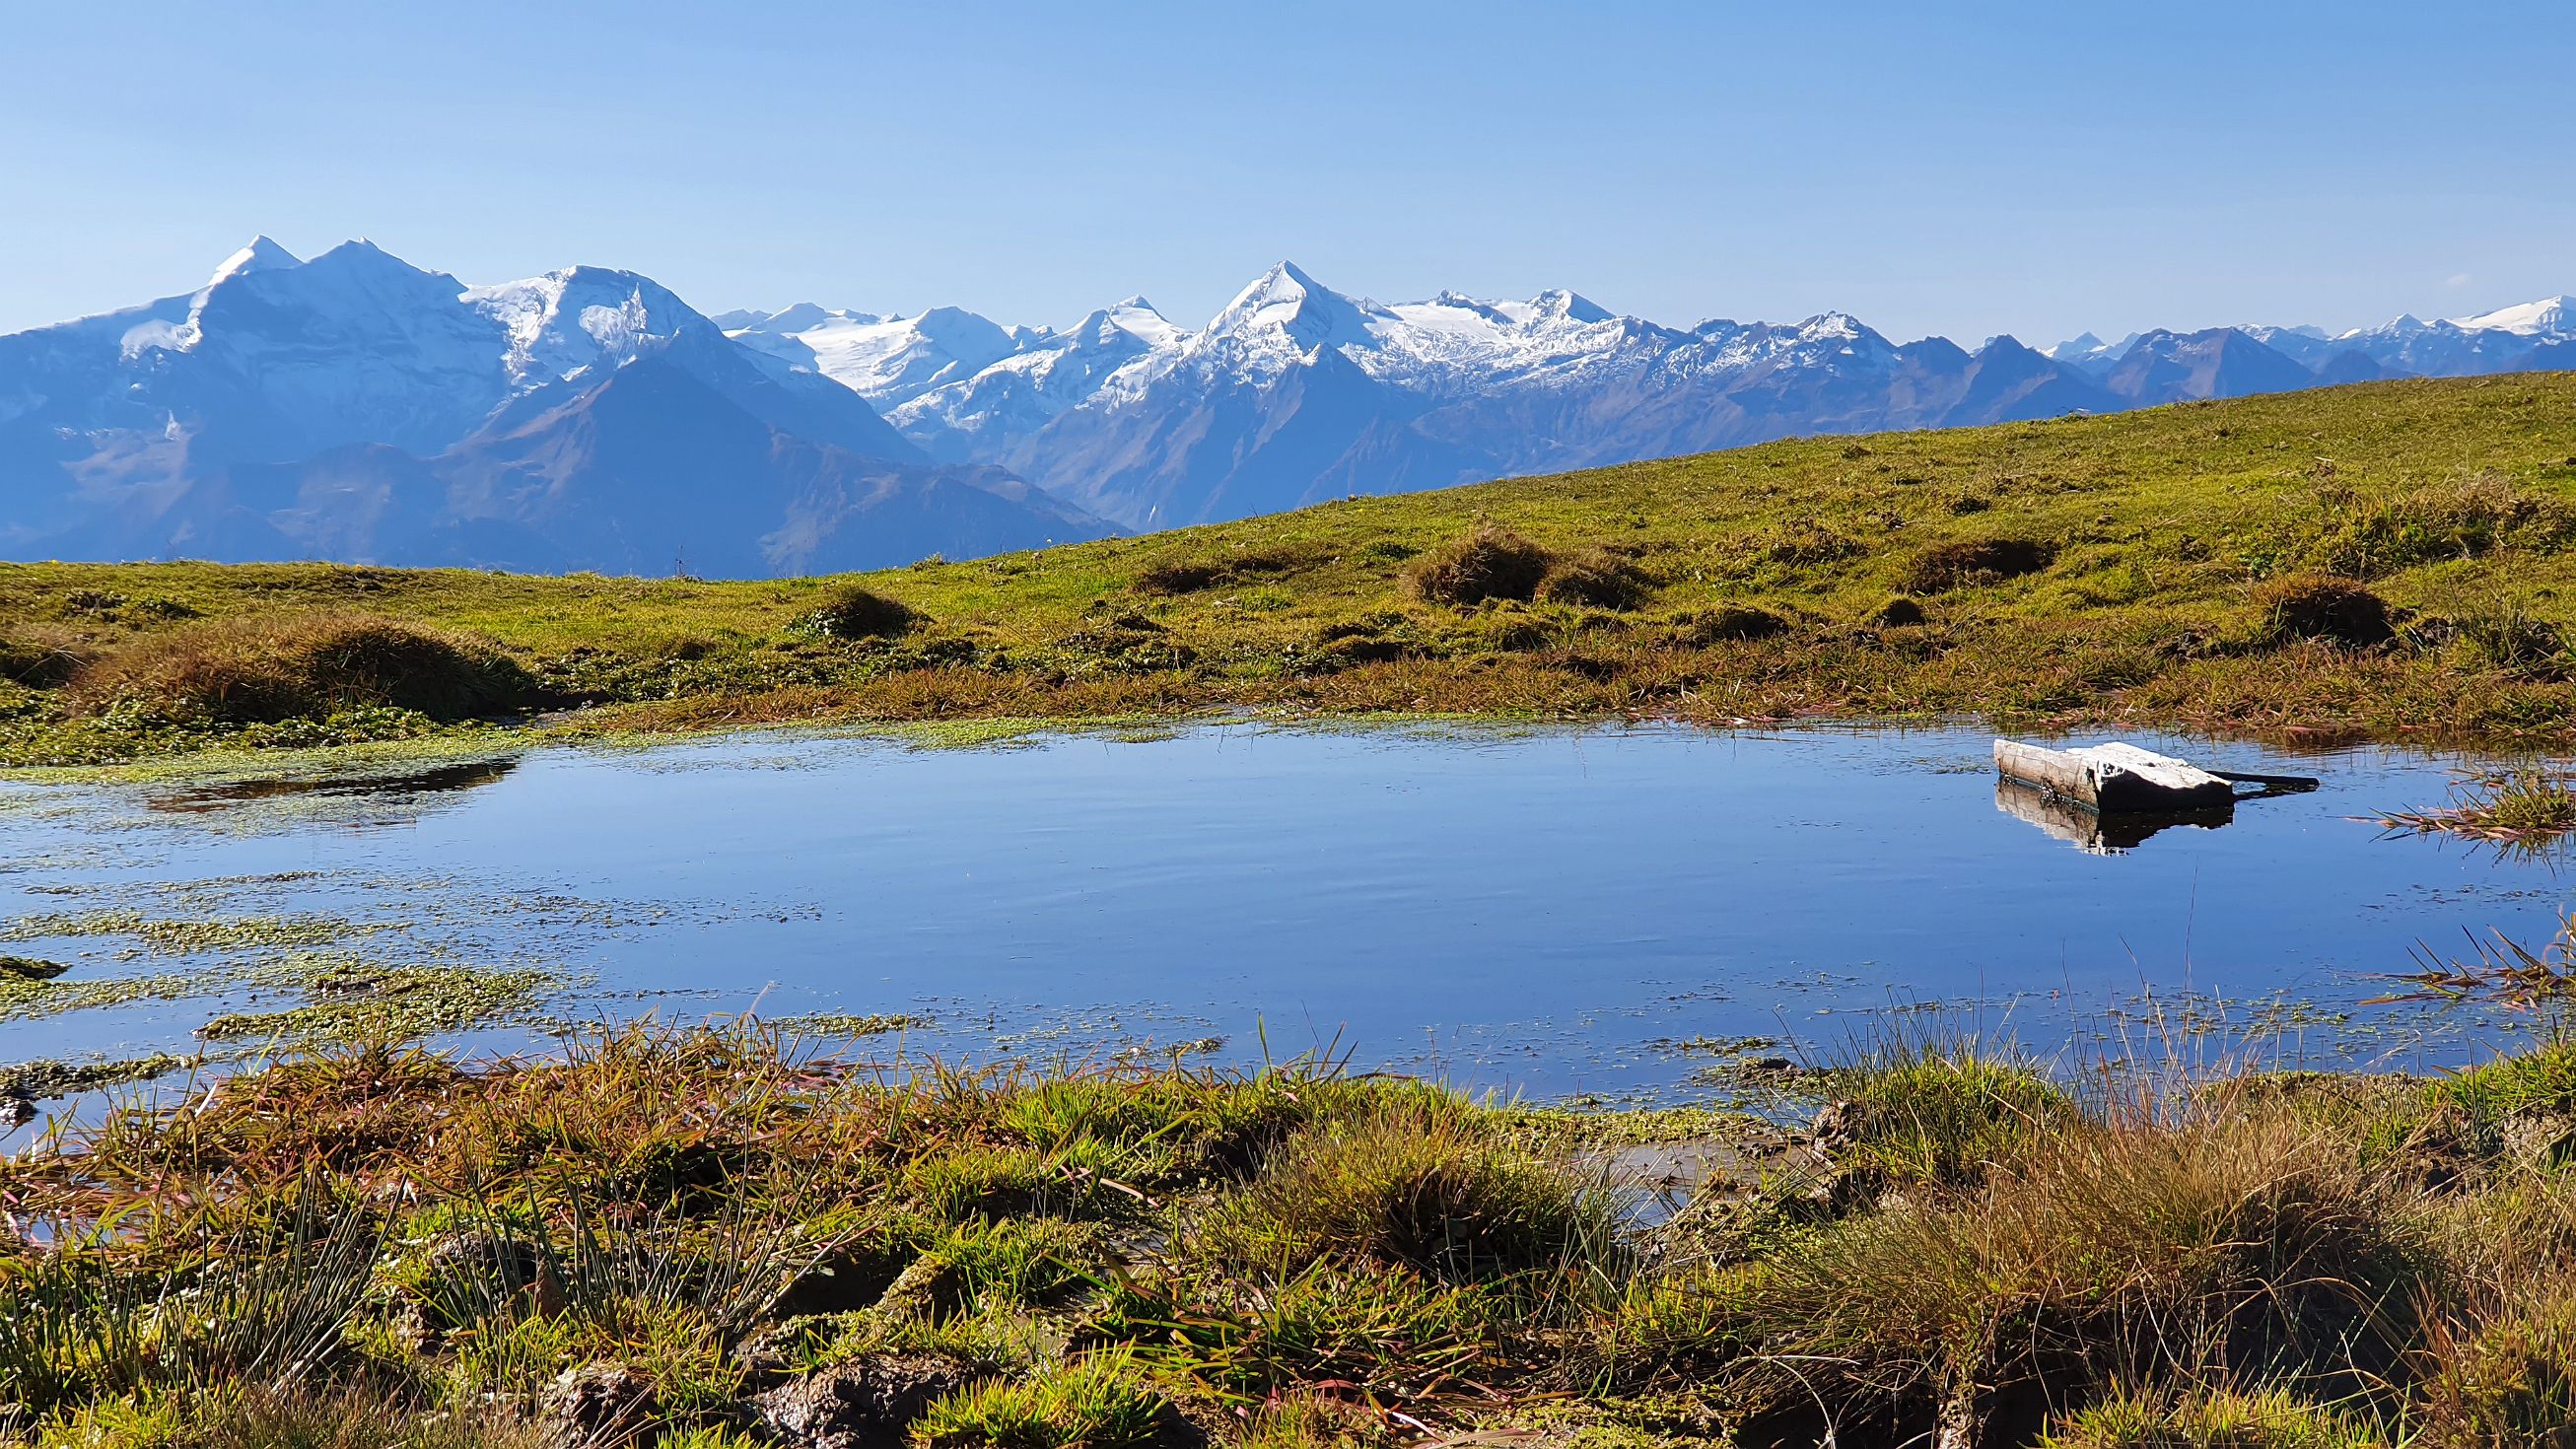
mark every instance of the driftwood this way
{"type": "Point", "coordinates": [2121, 779]}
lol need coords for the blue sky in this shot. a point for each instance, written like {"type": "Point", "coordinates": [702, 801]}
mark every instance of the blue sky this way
{"type": "Point", "coordinates": [1964, 169]}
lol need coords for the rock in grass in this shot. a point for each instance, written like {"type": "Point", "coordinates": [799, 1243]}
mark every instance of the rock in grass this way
{"type": "Point", "coordinates": [861, 1404]}
{"type": "Point", "coordinates": [598, 1404]}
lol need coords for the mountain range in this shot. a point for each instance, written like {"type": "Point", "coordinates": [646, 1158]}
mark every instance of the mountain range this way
{"type": "Point", "coordinates": [356, 407]}
{"type": "Point", "coordinates": [1296, 393]}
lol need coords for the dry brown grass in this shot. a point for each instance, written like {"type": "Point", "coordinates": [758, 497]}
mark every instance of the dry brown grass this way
{"type": "Point", "coordinates": [1489, 562]}
{"type": "Point", "coordinates": [1962, 562]}
{"type": "Point", "coordinates": [850, 611]}
{"type": "Point", "coordinates": [2315, 606]}
{"type": "Point", "coordinates": [241, 671]}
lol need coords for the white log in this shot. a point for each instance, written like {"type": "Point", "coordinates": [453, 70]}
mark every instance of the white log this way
{"type": "Point", "coordinates": [2113, 778]}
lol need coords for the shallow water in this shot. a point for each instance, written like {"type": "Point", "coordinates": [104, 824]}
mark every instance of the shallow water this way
{"type": "Point", "coordinates": [1549, 912]}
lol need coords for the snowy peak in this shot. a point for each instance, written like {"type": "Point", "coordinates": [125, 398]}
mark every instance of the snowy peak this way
{"type": "Point", "coordinates": [357, 407]}
{"type": "Point", "coordinates": [2548, 317]}
{"type": "Point", "coordinates": [567, 322]}
{"type": "Point", "coordinates": [262, 255]}
{"type": "Point", "coordinates": [1134, 320]}
{"type": "Point", "coordinates": [1284, 305]}
{"type": "Point", "coordinates": [1557, 304]}
{"type": "Point", "coordinates": [887, 360]}
{"type": "Point", "coordinates": [803, 316]}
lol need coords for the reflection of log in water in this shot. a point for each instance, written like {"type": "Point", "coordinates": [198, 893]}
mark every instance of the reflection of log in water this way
{"type": "Point", "coordinates": [2094, 833]}
{"type": "Point", "coordinates": [439, 779]}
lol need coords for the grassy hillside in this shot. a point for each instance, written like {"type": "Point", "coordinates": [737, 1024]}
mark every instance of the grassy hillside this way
{"type": "Point", "coordinates": [2390, 560]}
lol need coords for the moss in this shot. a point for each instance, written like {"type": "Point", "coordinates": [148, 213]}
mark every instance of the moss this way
{"type": "Point", "coordinates": [359, 1002]}
{"type": "Point", "coordinates": [180, 936]}
{"type": "Point", "coordinates": [845, 1025]}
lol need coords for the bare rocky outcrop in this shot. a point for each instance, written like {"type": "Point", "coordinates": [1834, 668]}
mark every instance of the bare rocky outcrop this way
{"type": "Point", "coordinates": [862, 1404]}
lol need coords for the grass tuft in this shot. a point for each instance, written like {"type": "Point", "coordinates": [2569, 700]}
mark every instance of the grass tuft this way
{"type": "Point", "coordinates": [1095, 1402]}
{"type": "Point", "coordinates": [310, 666]}
{"type": "Point", "coordinates": [1593, 578]}
{"type": "Point", "coordinates": [1412, 1180]}
{"type": "Point", "coordinates": [712, 1238]}
{"type": "Point", "coordinates": [1963, 562]}
{"type": "Point", "coordinates": [1489, 562]}
{"type": "Point", "coordinates": [2314, 606]}
{"type": "Point", "coordinates": [2215, 1420]}
{"type": "Point", "coordinates": [852, 611]}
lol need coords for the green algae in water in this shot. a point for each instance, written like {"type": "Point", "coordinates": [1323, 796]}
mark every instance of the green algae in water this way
{"type": "Point", "coordinates": [354, 1002]}
{"type": "Point", "coordinates": [840, 1024]}
{"type": "Point", "coordinates": [38, 1080]}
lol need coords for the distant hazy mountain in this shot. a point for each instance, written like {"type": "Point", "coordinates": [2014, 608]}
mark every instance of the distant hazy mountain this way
{"type": "Point", "coordinates": [1295, 392]}
{"type": "Point", "coordinates": [356, 407]}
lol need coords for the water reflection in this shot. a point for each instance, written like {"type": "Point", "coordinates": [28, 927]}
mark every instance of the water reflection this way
{"type": "Point", "coordinates": [438, 780]}
{"type": "Point", "coordinates": [1550, 911]}
{"type": "Point", "coordinates": [2095, 833]}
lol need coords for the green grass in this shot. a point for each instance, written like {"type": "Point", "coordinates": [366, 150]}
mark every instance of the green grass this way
{"type": "Point", "coordinates": [668, 1235]}
{"type": "Point", "coordinates": [2389, 560]}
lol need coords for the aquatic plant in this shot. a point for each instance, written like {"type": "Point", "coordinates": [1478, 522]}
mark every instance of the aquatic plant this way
{"type": "Point", "coordinates": [2525, 806]}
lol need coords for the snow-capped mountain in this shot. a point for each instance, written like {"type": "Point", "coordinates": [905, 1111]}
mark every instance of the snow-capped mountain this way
{"type": "Point", "coordinates": [1294, 392]}
{"type": "Point", "coordinates": [355, 406]}
{"type": "Point", "coordinates": [2508, 339]}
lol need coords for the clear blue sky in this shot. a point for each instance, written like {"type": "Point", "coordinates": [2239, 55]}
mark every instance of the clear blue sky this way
{"type": "Point", "coordinates": [2037, 168]}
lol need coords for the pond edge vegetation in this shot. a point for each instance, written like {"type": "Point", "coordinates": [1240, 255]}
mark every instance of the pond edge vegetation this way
{"type": "Point", "coordinates": [725, 1238]}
